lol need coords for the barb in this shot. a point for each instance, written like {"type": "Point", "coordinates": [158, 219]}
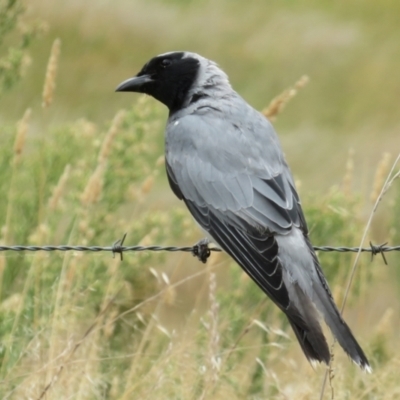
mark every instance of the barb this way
{"type": "Point", "coordinates": [118, 248]}
{"type": "Point", "coordinates": [378, 250]}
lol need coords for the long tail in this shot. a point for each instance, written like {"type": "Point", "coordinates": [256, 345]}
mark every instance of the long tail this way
{"type": "Point", "coordinates": [304, 320]}
{"type": "Point", "coordinates": [309, 291]}
{"type": "Point", "coordinates": [305, 324]}
{"type": "Point", "coordinates": [325, 304]}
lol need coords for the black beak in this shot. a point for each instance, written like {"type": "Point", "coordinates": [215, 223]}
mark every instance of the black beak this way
{"type": "Point", "coordinates": [134, 84]}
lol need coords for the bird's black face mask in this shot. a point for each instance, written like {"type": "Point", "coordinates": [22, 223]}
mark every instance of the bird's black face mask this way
{"type": "Point", "coordinates": [167, 78]}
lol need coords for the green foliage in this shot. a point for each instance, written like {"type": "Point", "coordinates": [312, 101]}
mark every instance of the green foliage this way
{"type": "Point", "coordinates": [335, 220]}
{"type": "Point", "coordinates": [10, 10]}
{"type": "Point", "coordinates": [14, 57]}
{"type": "Point", "coordinates": [86, 206]}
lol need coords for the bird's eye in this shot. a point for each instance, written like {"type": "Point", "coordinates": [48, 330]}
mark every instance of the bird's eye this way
{"type": "Point", "coordinates": [166, 62]}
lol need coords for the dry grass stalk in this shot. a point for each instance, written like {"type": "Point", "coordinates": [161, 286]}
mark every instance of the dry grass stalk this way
{"type": "Point", "coordinates": [331, 373]}
{"type": "Point", "coordinates": [214, 360]}
{"type": "Point", "coordinates": [245, 330]}
{"type": "Point", "coordinates": [157, 295]}
{"type": "Point", "coordinates": [392, 175]}
{"type": "Point", "coordinates": [277, 104]}
{"type": "Point", "coordinates": [59, 189]}
{"type": "Point", "coordinates": [147, 184]}
{"type": "Point", "coordinates": [2, 268]}
{"type": "Point", "coordinates": [348, 176]}
{"type": "Point", "coordinates": [384, 324]}
{"type": "Point", "coordinates": [51, 74]}
{"type": "Point", "coordinates": [160, 161]}
{"type": "Point", "coordinates": [169, 297]}
{"type": "Point", "coordinates": [108, 325]}
{"type": "Point", "coordinates": [131, 382]}
{"type": "Point", "coordinates": [22, 129]}
{"type": "Point", "coordinates": [39, 235]}
{"type": "Point", "coordinates": [94, 187]}
{"type": "Point", "coordinates": [148, 239]}
{"type": "Point", "coordinates": [160, 377]}
{"type": "Point", "coordinates": [107, 142]}
{"type": "Point", "coordinates": [70, 351]}
{"type": "Point", "coordinates": [380, 174]}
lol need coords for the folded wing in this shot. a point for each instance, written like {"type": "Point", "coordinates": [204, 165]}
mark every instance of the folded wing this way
{"type": "Point", "coordinates": [241, 204]}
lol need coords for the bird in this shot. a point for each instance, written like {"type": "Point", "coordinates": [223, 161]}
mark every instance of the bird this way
{"type": "Point", "coordinates": [224, 160]}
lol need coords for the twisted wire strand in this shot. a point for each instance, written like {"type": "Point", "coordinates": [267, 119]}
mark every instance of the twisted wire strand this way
{"type": "Point", "coordinates": [118, 247]}
{"type": "Point", "coordinates": [375, 249]}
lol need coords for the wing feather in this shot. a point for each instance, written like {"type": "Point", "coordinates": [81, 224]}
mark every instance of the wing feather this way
{"type": "Point", "coordinates": [242, 203]}
{"type": "Point", "coordinates": [236, 243]}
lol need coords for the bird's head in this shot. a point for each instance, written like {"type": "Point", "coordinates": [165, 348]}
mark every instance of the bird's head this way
{"type": "Point", "coordinates": [167, 77]}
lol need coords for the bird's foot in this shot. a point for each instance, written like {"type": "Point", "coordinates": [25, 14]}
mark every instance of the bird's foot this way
{"type": "Point", "coordinates": [201, 250]}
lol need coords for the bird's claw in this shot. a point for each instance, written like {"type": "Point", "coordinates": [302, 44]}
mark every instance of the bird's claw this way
{"type": "Point", "coordinates": [201, 250]}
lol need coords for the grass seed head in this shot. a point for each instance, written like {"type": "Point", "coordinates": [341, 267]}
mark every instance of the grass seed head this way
{"type": "Point", "coordinates": [349, 173]}
{"type": "Point", "coordinates": [51, 74]}
{"type": "Point", "coordinates": [147, 184]}
{"type": "Point", "coordinates": [169, 295]}
{"type": "Point", "coordinates": [380, 176]}
{"type": "Point", "coordinates": [59, 189]}
{"type": "Point", "coordinates": [278, 103]}
{"type": "Point", "coordinates": [22, 129]}
{"type": "Point", "coordinates": [112, 132]}
{"type": "Point", "coordinates": [160, 161]}
{"type": "Point", "coordinates": [94, 187]}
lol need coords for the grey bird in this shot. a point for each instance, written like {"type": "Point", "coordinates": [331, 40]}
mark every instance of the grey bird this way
{"type": "Point", "coordinates": [224, 160]}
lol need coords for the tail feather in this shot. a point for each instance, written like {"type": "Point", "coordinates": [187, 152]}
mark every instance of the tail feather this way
{"type": "Point", "coordinates": [315, 289]}
{"type": "Point", "coordinates": [312, 343]}
{"type": "Point", "coordinates": [308, 292]}
{"type": "Point", "coordinates": [339, 328]}
{"type": "Point", "coordinates": [304, 320]}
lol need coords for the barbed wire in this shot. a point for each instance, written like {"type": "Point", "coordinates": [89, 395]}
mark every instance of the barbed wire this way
{"type": "Point", "coordinates": [200, 249]}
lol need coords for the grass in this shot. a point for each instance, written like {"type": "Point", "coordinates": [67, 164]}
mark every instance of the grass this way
{"type": "Point", "coordinates": [76, 168]}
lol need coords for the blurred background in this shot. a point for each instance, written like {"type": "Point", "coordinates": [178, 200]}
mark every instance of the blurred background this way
{"type": "Point", "coordinates": [81, 164]}
{"type": "Point", "coordinates": [350, 51]}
